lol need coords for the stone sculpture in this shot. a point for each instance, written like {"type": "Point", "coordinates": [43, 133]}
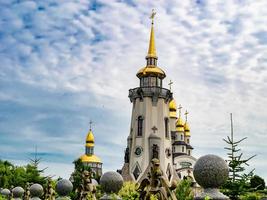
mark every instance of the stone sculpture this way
{"type": "Point", "coordinates": [155, 184]}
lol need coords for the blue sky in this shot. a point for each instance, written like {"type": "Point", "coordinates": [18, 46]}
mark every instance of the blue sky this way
{"type": "Point", "coordinates": [64, 63]}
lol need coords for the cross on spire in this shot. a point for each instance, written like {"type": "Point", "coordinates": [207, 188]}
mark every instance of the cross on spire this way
{"type": "Point", "coordinates": [170, 84]}
{"type": "Point", "coordinates": [90, 122]}
{"type": "Point", "coordinates": [186, 113]}
{"type": "Point", "coordinates": [152, 16]}
{"type": "Point", "coordinates": [180, 108]}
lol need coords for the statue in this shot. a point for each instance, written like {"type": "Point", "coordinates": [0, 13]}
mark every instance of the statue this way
{"type": "Point", "coordinates": [126, 155]}
{"type": "Point", "coordinates": [87, 188]}
{"type": "Point", "coordinates": [155, 151]}
{"type": "Point", "coordinates": [155, 184]}
{"type": "Point", "coordinates": [27, 192]}
{"type": "Point", "coordinates": [49, 191]}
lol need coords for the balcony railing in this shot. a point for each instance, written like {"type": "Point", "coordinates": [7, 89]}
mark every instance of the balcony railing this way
{"type": "Point", "coordinates": [154, 92]}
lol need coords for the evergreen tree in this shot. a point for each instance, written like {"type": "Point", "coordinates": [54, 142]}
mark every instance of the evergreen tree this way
{"type": "Point", "coordinates": [238, 182]}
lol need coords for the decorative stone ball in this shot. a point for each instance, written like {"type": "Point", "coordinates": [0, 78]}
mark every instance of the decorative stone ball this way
{"type": "Point", "coordinates": [210, 171]}
{"type": "Point", "coordinates": [5, 192]}
{"type": "Point", "coordinates": [36, 190]}
{"type": "Point", "coordinates": [64, 187]}
{"type": "Point", "coordinates": [111, 182]}
{"type": "Point", "coordinates": [17, 192]}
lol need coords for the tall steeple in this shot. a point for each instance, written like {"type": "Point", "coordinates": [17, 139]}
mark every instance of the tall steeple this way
{"type": "Point", "coordinates": [152, 46]}
{"type": "Point", "coordinates": [150, 135]}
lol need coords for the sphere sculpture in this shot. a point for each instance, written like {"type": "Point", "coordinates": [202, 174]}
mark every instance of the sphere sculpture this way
{"type": "Point", "coordinates": [17, 192]}
{"type": "Point", "coordinates": [5, 192]}
{"type": "Point", "coordinates": [36, 191]}
{"type": "Point", "coordinates": [210, 172]}
{"type": "Point", "coordinates": [111, 182]}
{"type": "Point", "coordinates": [64, 187]}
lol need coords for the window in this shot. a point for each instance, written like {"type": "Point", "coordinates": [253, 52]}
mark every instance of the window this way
{"type": "Point", "coordinates": [189, 152]}
{"type": "Point", "coordinates": [182, 137]}
{"type": "Point", "coordinates": [182, 149]}
{"type": "Point", "coordinates": [153, 81]}
{"type": "Point", "coordinates": [166, 121]}
{"type": "Point", "coordinates": [188, 141]}
{"type": "Point", "coordinates": [140, 126]}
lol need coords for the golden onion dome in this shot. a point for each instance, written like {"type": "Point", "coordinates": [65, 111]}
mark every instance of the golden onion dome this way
{"type": "Point", "coordinates": [90, 158]}
{"type": "Point", "coordinates": [187, 129]}
{"type": "Point", "coordinates": [172, 108]}
{"type": "Point", "coordinates": [180, 125]}
{"type": "Point", "coordinates": [172, 105]}
{"type": "Point", "coordinates": [90, 140]}
{"type": "Point", "coordinates": [151, 70]}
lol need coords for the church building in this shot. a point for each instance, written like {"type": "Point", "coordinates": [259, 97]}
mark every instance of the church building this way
{"type": "Point", "coordinates": [89, 158]}
{"type": "Point", "coordinates": [155, 129]}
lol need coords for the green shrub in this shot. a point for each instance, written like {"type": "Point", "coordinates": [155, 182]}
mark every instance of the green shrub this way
{"type": "Point", "coordinates": [184, 190]}
{"type": "Point", "coordinates": [129, 191]}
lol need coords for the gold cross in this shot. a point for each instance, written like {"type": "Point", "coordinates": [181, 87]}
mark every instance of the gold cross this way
{"type": "Point", "coordinates": [186, 113]}
{"type": "Point", "coordinates": [152, 16]}
{"type": "Point", "coordinates": [170, 84]}
{"type": "Point", "coordinates": [180, 108]}
{"type": "Point", "coordinates": [90, 122]}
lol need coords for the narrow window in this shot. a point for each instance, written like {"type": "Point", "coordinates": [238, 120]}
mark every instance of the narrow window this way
{"type": "Point", "coordinates": [182, 137]}
{"type": "Point", "coordinates": [166, 127]}
{"type": "Point", "coordinates": [187, 141]}
{"type": "Point", "coordinates": [189, 152]}
{"type": "Point", "coordinates": [140, 126]}
{"type": "Point", "coordinates": [182, 149]}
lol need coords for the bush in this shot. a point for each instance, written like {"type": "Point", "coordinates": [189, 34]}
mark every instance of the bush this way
{"type": "Point", "coordinates": [184, 190]}
{"type": "Point", "coordinates": [129, 191]}
{"type": "Point", "coordinates": [250, 196]}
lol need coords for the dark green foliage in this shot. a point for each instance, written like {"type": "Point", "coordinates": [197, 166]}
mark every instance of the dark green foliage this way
{"type": "Point", "coordinates": [257, 183]}
{"type": "Point", "coordinates": [184, 190]}
{"type": "Point", "coordinates": [11, 175]}
{"type": "Point", "coordinates": [238, 182]}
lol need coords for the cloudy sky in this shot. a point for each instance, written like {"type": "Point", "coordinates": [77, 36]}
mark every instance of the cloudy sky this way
{"type": "Point", "coordinates": [66, 62]}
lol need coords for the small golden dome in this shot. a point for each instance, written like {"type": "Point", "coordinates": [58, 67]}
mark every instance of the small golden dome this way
{"type": "Point", "coordinates": [187, 129]}
{"type": "Point", "coordinates": [172, 105]}
{"type": "Point", "coordinates": [151, 70]}
{"type": "Point", "coordinates": [90, 140]}
{"type": "Point", "coordinates": [180, 125]}
{"type": "Point", "coordinates": [90, 158]}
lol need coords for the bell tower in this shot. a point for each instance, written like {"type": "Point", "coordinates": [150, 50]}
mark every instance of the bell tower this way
{"type": "Point", "coordinates": [150, 123]}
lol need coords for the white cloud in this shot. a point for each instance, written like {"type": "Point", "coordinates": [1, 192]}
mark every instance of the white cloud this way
{"type": "Point", "coordinates": [208, 49]}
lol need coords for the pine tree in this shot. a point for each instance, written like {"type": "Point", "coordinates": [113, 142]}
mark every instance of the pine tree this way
{"type": "Point", "coordinates": [238, 182]}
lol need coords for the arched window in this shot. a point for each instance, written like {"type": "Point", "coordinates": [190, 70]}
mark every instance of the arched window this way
{"type": "Point", "coordinates": [166, 122]}
{"type": "Point", "coordinates": [140, 126]}
{"type": "Point", "coordinates": [188, 140]}
{"type": "Point", "coordinates": [182, 137]}
{"type": "Point", "coordinates": [182, 149]}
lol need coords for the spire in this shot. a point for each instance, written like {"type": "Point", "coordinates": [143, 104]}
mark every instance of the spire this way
{"type": "Point", "coordinates": [152, 47]}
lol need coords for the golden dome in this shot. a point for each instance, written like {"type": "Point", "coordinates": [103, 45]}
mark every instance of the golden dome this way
{"type": "Point", "coordinates": [151, 70]}
{"type": "Point", "coordinates": [187, 129]}
{"type": "Point", "coordinates": [90, 158]}
{"type": "Point", "coordinates": [172, 105]}
{"type": "Point", "coordinates": [180, 125]}
{"type": "Point", "coordinates": [90, 140]}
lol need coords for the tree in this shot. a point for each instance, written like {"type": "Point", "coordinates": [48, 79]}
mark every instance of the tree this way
{"type": "Point", "coordinates": [257, 183]}
{"type": "Point", "coordinates": [238, 182]}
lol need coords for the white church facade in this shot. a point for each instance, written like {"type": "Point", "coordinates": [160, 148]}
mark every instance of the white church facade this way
{"type": "Point", "coordinates": [155, 129]}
